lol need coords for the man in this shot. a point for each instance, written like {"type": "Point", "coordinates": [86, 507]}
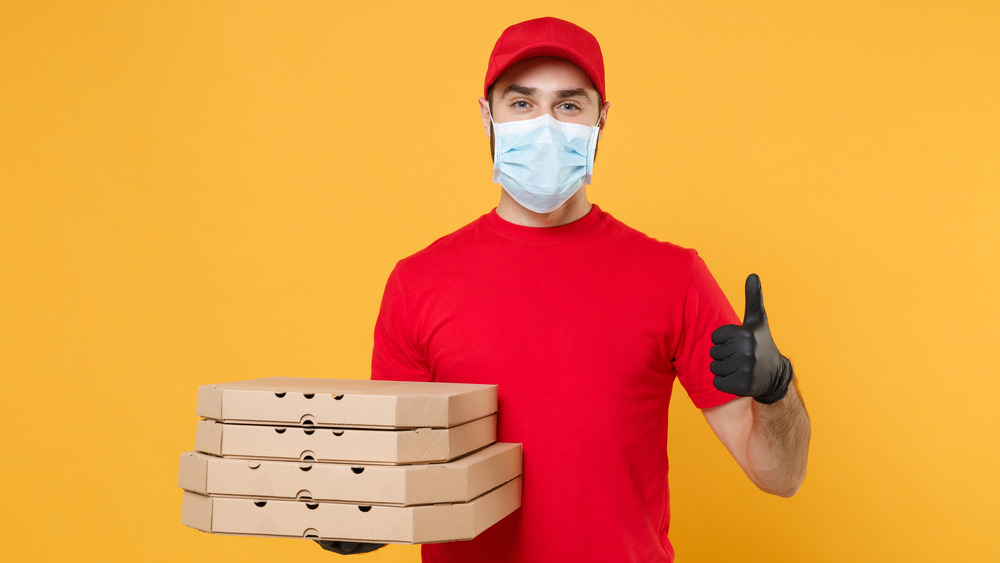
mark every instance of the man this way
{"type": "Point", "coordinates": [583, 323]}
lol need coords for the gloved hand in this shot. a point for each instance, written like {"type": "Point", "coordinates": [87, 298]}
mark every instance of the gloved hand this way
{"type": "Point", "coordinates": [348, 547]}
{"type": "Point", "coordinates": [747, 363]}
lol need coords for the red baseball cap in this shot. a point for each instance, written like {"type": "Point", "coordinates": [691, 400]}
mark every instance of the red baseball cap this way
{"type": "Point", "coordinates": [547, 37]}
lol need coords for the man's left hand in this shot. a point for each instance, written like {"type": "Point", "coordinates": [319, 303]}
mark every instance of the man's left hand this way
{"type": "Point", "coordinates": [747, 363]}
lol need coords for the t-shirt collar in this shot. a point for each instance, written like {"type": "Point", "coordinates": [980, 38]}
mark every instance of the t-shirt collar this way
{"type": "Point", "coordinates": [543, 235]}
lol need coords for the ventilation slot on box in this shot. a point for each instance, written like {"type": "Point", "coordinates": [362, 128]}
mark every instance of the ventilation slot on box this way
{"type": "Point", "coordinates": [308, 395]}
{"type": "Point", "coordinates": [304, 494]}
{"type": "Point", "coordinates": [338, 432]}
{"type": "Point", "coordinates": [312, 505]}
{"type": "Point", "coordinates": [280, 430]}
{"type": "Point", "coordinates": [311, 534]}
{"type": "Point", "coordinates": [260, 503]}
{"type": "Point", "coordinates": [307, 458]}
{"type": "Point", "coordinates": [253, 464]}
{"type": "Point", "coordinates": [279, 395]}
{"type": "Point", "coordinates": [358, 470]}
{"type": "Point", "coordinates": [338, 397]}
{"type": "Point", "coordinates": [364, 508]}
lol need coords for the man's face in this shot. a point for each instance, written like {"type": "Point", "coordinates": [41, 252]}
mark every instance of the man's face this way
{"type": "Point", "coordinates": [543, 85]}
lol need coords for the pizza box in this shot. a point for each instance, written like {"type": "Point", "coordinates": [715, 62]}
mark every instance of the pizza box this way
{"type": "Point", "coordinates": [352, 445]}
{"type": "Point", "coordinates": [403, 485]}
{"type": "Point", "coordinates": [347, 402]}
{"type": "Point", "coordinates": [350, 522]}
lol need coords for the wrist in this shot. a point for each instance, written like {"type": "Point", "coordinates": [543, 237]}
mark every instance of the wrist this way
{"type": "Point", "coordinates": [782, 381]}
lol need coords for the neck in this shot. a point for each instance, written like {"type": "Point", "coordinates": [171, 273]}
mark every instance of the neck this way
{"type": "Point", "coordinates": [513, 212]}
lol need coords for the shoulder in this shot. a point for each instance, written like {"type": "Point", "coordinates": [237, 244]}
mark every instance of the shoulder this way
{"type": "Point", "coordinates": [445, 250]}
{"type": "Point", "coordinates": [632, 240]}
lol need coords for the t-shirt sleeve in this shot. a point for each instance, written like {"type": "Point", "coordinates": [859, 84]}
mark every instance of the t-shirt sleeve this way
{"type": "Point", "coordinates": [705, 309]}
{"type": "Point", "coordinates": [396, 355]}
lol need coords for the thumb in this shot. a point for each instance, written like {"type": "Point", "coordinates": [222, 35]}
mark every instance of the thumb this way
{"type": "Point", "coordinates": [755, 300]}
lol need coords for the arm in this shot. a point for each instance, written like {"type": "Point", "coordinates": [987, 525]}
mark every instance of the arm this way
{"type": "Point", "coordinates": [769, 442]}
{"type": "Point", "coordinates": [766, 430]}
{"type": "Point", "coordinates": [397, 354]}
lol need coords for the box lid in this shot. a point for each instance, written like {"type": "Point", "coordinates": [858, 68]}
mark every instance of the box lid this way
{"type": "Point", "coordinates": [347, 402]}
{"type": "Point", "coordinates": [350, 522]}
{"type": "Point", "coordinates": [352, 445]}
{"type": "Point", "coordinates": [460, 480]}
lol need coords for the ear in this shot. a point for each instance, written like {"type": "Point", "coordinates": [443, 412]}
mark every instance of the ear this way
{"type": "Point", "coordinates": [604, 119]}
{"type": "Point", "coordinates": [484, 112]}
{"type": "Point", "coordinates": [604, 115]}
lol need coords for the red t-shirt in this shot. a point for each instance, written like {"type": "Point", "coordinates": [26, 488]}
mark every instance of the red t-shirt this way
{"type": "Point", "coordinates": [583, 327]}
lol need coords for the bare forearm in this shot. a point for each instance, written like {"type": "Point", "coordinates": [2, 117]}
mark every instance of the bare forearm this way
{"type": "Point", "coordinates": [778, 445]}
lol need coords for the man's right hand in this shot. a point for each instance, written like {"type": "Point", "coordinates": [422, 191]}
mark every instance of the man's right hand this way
{"type": "Point", "coordinates": [348, 547]}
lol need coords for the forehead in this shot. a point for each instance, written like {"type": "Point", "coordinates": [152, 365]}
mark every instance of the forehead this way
{"type": "Point", "coordinates": [545, 74]}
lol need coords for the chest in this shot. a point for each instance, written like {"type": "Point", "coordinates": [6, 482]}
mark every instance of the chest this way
{"type": "Point", "coordinates": [538, 320]}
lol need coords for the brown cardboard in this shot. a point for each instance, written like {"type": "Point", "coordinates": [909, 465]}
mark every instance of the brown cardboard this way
{"type": "Point", "coordinates": [347, 402]}
{"type": "Point", "coordinates": [350, 522]}
{"type": "Point", "coordinates": [358, 445]}
{"type": "Point", "coordinates": [403, 485]}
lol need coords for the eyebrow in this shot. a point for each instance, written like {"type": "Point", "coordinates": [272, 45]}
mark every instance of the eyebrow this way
{"type": "Point", "coordinates": [525, 91]}
{"type": "Point", "coordinates": [518, 89]}
{"type": "Point", "coordinates": [576, 93]}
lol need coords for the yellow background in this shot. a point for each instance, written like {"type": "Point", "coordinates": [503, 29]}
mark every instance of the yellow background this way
{"type": "Point", "coordinates": [194, 192]}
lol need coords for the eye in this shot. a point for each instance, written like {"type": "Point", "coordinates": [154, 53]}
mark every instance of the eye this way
{"type": "Point", "coordinates": [520, 104]}
{"type": "Point", "coordinates": [569, 106]}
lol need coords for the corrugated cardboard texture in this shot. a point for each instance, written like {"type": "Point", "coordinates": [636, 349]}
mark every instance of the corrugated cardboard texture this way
{"type": "Point", "coordinates": [336, 521]}
{"type": "Point", "coordinates": [347, 402]}
{"type": "Point", "coordinates": [403, 485]}
{"type": "Point", "coordinates": [421, 445]}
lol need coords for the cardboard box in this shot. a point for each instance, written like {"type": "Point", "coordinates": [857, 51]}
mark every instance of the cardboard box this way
{"type": "Point", "coordinates": [350, 522]}
{"type": "Point", "coordinates": [347, 402]}
{"type": "Point", "coordinates": [403, 485]}
{"type": "Point", "coordinates": [358, 445]}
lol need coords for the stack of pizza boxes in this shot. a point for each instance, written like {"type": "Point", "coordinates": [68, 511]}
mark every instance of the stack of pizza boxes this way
{"type": "Point", "coordinates": [350, 460]}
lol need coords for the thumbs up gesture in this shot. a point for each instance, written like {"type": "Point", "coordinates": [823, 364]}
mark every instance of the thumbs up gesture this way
{"type": "Point", "coordinates": [747, 363]}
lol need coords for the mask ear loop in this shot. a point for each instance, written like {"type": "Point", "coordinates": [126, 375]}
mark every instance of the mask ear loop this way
{"type": "Point", "coordinates": [592, 149]}
{"type": "Point", "coordinates": [496, 144]}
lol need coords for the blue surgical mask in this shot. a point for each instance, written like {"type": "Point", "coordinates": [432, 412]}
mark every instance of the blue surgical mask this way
{"type": "Point", "coordinates": [542, 162]}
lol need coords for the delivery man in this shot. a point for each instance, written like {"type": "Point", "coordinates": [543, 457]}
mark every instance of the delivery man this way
{"type": "Point", "coordinates": [583, 323]}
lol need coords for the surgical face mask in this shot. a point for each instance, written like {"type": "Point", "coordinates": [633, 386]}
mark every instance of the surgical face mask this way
{"type": "Point", "coordinates": [542, 162]}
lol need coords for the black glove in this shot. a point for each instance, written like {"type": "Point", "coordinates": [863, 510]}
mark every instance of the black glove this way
{"type": "Point", "coordinates": [348, 547]}
{"type": "Point", "coordinates": [747, 363]}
